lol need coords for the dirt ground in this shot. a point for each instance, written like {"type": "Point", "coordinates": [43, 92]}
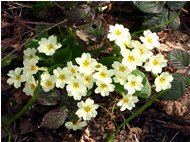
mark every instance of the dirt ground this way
{"type": "Point", "coordinates": [163, 121]}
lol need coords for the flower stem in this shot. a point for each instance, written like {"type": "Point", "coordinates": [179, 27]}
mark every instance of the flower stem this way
{"type": "Point", "coordinates": [140, 110]}
{"type": "Point", "coordinates": [29, 104]}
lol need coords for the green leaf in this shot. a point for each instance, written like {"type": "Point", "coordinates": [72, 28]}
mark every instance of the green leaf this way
{"type": "Point", "coordinates": [110, 137]}
{"type": "Point", "coordinates": [150, 6]}
{"type": "Point", "coordinates": [179, 58]}
{"type": "Point", "coordinates": [80, 13]}
{"type": "Point", "coordinates": [108, 61]}
{"type": "Point", "coordinates": [187, 80]}
{"type": "Point", "coordinates": [44, 60]}
{"type": "Point", "coordinates": [68, 4]}
{"type": "Point", "coordinates": [31, 43]}
{"type": "Point", "coordinates": [5, 118]}
{"type": "Point", "coordinates": [76, 52]}
{"type": "Point", "coordinates": [176, 5]}
{"type": "Point", "coordinates": [54, 118]}
{"type": "Point", "coordinates": [74, 44]}
{"type": "Point", "coordinates": [177, 90]}
{"type": "Point", "coordinates": [50, 69]}
{"type": "Point", "coordinates": [146, 90]}
{"type": "Point", "coordinates": [39, 33]}
{"type": "Point", "coordinates": [119, 88]}
{"type": "Point", "coordinates": [40, 5]}
{"type": "Point", "coordinates": [94, 30]}
{"type": "Point", "coordinates": [49, 98]}
{"type": "Point", "coordinates": [62, 56]}
{"type": "Point", "coordinates": [174, 25]}
{"type": "Point", "coordinates": [156, 19]}
{"type": "Point", "coordinates": [8, 60]}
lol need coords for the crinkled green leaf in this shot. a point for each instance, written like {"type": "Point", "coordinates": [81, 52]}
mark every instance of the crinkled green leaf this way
{"type": "Point", "coordinates": [187, 80]}
{"type": "Point", "coordinates": [5, 118]}
{"type": "Point", "coordinates": [40, 5]}
{"type": "Point", "coordinates": [8, 60]}
{"type": "Point", "coordinates": [81, 13]}
{"type": "Point", "coordinates": [177, 90]}
{"type": "Point", "coordinates": [179, 58]}
{"type": "Point", "coordinates": [176, 5]}
{"type": "Point", "coordinates": [68, 4]}
{"type": "Point", "coordinates": [146, 90]}
{"type": "Point", "coordinates": [39, 31]}
{"type": "Point", "coordinates": [49, 98]}
{"type": "Point", "coordinates": [119, 88]}
{"type": "Point", "coordinates": [156, 19]}
{"type": "Point", "coordinates": [62, 56]}
{"type": "Point", "coordinates": [94, 31]}
{"type": "Point", "coordinates": [108, 61]}
{"type": "Point", "coordinates": [176, 23]}
{"type": "Point", "coordinates": [31, 43]}
{"type": "Point", "coordinates": [74, 45]}
{"type": "Point", "coordinates": [51, 68]}
{"type": "Point", "coordinates": [54, 118]}
{"type": "Point", "coordinates": [150, 6]}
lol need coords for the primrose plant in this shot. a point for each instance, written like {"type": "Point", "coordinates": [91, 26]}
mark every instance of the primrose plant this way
{"type": "Point", "coordinates": [87, 73]}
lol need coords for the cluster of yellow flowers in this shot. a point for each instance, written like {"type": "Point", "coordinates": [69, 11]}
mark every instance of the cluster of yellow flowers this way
{"type": "Point", "coordinates": [78, 79]}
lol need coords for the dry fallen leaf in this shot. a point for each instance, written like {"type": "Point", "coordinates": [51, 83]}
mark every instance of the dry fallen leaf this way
{"type": "Point", "coordinates": [20, 97]}
{"type": "Point", "coordinates": [86, 136]}
{"type": "Point", "coordinates": [174, 108]}
{"type": "Point", "coordinates": [134, 134]}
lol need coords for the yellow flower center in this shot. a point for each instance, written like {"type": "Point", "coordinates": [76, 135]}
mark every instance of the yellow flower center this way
{"type": "Point", "coordinates": [87, 109]}
{"type": "Point", "coordinates": [149, 40]}
{"type": "Point", "coordinates": [122, 69]}
{"type": "Point", "coordinates": [33, 67]}
{"type": "Point", "coordinates": [75, 85]}
{"type": "Point", "coordinates": [32, 86]}
{"type": "Point", "coordinates": [62, 77]}
{"type": "Point", "coordinates": [125, 100]}
{"type": "Point", "coordinates": [73, 70]}
{"type": "Point", "coordinates": [103, 86]}
{"type": "Point", "coordinates": [48, 83]}
{"type": "Point", "coordinates": [141, 51]}
{"type": "Point", "coordinates": [50, 46]}
{"type": "Point", "coordinates": [87, 79]}
{"type": "Point", "coordinates": [162, 80]}
{"type": "Point", "coordinates": [17, 77]}
{"type": "Point", "coordinates": [125, 44]}
{"type": "Point", "coordinates": [86, 63]}
{"type": "Point", "coordinates": [103, 74]}
{"type": "Point", "coordinates": [117, 32]}
{"type": "Point", "coordinates": [133, 83]}
{"type": "Point", "coordinates": [131, 58]}
{"type": "Point", "coordinates": [30, 56]}
{"type": "Point", "coordinates": [76, 123]}
{"type": "Point", "coordinates": [155, 62]}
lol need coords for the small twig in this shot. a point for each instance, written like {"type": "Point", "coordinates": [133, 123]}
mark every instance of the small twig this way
{"type": "Point", "coordinates": [45, 30]}
{"type": "Point", "coordinates": [62, 8]}
{"type": "Point", "coordinates": [37, 23]}
{"type": "Point", "coordinates": [23, 5]}
{"type": "Point", "coordinates": [108, 113]}
{"type": "Point", "coordinates": [174, 136]}
{"type": "Point", "coordinates": [26, 25]}
{"type": "Point", "coordinates": [14, 38]}
{"type": "Point", "coordinates": [160, 121]}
